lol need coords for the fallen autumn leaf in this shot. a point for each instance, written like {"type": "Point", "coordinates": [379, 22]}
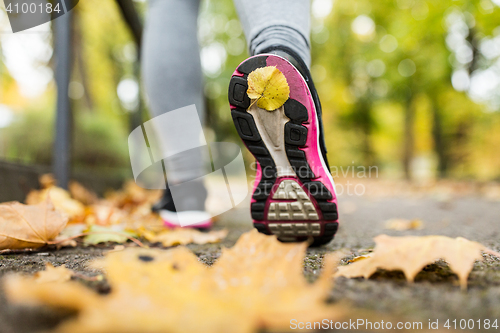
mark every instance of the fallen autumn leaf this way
{"type": "Point", "coordinates": [29, 226]}
{"type": "Point", "coordinates": [180, 236]}
{"type": "Point", "coordinates": [61, 200]}
{"type": "Point", "coordinates": [411, 254]}
{"type": "Point", "coordinates": [53, 274]}
{"type": "Point", "coordinates": [115, 234]}
{"type": "Point", "coordinates": [257, 284]}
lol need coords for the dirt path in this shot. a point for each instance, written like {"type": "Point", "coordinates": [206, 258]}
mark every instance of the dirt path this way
{"type": "Point", "coordinates": [434, 295]}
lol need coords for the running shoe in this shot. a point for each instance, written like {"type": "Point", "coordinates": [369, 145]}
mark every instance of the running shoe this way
{"type": "Point", "coordinates": [191, 208]}
{"type": "Point", "coordinates": [294, 193]}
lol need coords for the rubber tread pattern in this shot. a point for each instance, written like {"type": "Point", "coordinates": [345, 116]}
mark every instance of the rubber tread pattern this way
{"type": "Point", "coordinates": [237, 93]}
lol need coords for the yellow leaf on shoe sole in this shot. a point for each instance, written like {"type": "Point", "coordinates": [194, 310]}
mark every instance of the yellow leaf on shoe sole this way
{"type": "Point", "coordinates": [268, 86]}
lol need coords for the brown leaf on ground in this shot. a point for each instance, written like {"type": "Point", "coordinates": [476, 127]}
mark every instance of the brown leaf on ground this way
{"type": "Point", "coordinates": [133, 195]}
{"type": "Point", "coordinates": [257, 284]}
{"type": "Point", "coordinates": [82, 194]}
{"type": "Point", "coordinates": [404, 224]}
{"type": "Point", "coordinates": [62, 201]}
{"type": "Point", "coordinates": [53, 274]}
{"type": "Point", "coordinates": [29, 226]}
{"type": "Point", "coordinates": [411, 254]}
{"type": "Point", "coordinates": [183, 236]}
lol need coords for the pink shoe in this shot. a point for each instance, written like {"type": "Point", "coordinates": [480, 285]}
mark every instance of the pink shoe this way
{"type": "Point", "coordinates": [294, 193]}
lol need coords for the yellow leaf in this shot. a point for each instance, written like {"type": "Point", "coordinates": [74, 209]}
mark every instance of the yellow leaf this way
{"type": "Point", "coordinates": [411, 254]}
{"type": "Point", "coordinates": [183, 236]}
{"type": "Point", "coordinates": [100, 234]}
{"type": "Point", "coordinates": [258, 284]}
{"type": "Point", "coordinates": [29, 226]}
{"type": "Point", "coordinates": [268, 86]}
{"type": "Point", "coordinates": [53, 274]}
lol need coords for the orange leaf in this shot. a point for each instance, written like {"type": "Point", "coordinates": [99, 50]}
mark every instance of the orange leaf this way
{"type": "Point", "coordinates": [257, 284]}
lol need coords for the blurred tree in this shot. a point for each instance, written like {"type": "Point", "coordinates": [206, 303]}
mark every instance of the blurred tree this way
{"type": "Point", "coordinates": [407, 85]}
{"type": "Point", "coordinates": [398, 52]}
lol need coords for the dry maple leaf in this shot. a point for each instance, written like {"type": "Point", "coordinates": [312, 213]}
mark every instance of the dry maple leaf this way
{"type": "Point", "coordinates": [61, 199]}
{"type": "Point", "coordinates": [411, 254]}
{"type": "Point", "coordinates": [29, 226]}
{"type": "Point", "coordinates": [257, 284]}
{"type": "Point", "coordinates": [268, 86]}
{"type": "Point", "coordinates": [53, 274]}
{"type": "Point", "coordinates": [183, 236]}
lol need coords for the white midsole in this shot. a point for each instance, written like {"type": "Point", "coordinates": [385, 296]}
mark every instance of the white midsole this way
{"type": "Point", "coordinates": [186, 218]}
{"type": "Point", "coordinates": [271, 127]}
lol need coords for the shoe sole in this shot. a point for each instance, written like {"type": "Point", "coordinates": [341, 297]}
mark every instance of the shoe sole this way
{"type": "Point", "coordinates": [294, 194]}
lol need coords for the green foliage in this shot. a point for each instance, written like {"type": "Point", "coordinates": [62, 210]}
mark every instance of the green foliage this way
{"type": "Point", "coordinates": [388, 78]}
{"type": "Point", "coordinates": [99, 141]}
{"type": "Point", "coordinates": [106, 50]}
{"type": "Point", "coordinates": [103, 54]}
{"type": "Point", "coordinates": [29, 138]}
{"type": "Point", "coordinates": [383, 70]}
{"type": "Point", "coordinates": [220, 26]}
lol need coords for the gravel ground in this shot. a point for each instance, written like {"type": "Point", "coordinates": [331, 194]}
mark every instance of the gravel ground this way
{"type": "Point", "coordinates": [434, 295]}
